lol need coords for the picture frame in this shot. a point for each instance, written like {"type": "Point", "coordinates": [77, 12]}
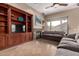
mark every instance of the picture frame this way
{"type": "Point", "coordinates": [38, 20]}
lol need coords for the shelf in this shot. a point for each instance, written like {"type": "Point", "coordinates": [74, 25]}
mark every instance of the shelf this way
{"type": "Point", "coordinates": [18, 21]}
{"type": "Point", "coordinates": [2, 14]}
{"type": "Point", "coordinates": [3, 20]}
{"type": "Point", "coordinates": [4, 26]}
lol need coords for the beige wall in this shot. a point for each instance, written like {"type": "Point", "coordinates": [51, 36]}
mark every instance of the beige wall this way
{"type": "Point", "coordinates": [25, 7]}
{"type": "Point", "coordinates": [73, 19]}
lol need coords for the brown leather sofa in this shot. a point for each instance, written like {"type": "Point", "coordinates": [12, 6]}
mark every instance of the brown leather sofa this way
{"type": "Point", "coordinates": [52, 35]}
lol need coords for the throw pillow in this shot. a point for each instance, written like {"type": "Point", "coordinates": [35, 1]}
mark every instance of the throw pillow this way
{"type": "Point", "coordinates": [77, 37]}
{"type": "Point", "coordinates": [77, 40]}
{"type": "Point", "coordinates": [71, 35]}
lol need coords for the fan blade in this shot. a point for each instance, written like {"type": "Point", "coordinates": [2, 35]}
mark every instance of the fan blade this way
{"type": "Point", "coordinates": [48, 7]}
{"type": "Point", "coordinates": [63, 4]}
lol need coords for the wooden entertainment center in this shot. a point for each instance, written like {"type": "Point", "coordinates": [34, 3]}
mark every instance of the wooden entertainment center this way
{"type": "Point", "coordinates": [15, 26]}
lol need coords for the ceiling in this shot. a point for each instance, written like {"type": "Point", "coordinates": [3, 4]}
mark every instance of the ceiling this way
{"type": "Point", "coordinates": [40, 7]}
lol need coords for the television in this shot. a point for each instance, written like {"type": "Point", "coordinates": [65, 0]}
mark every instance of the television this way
{"type": "Point", "coordinates": [18, 28]}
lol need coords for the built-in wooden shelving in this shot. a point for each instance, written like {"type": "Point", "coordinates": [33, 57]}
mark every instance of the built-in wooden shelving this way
{"type": "Point", "coordinates": [15, 26]}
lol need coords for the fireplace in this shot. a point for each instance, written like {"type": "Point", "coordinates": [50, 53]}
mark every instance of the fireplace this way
{"type": "Point", "coordinates": [38, 34]}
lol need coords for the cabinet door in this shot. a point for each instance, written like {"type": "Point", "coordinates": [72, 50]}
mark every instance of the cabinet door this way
{"type": "Point", "coordinates": [27, 37]}
{"type": "Point", "coordinates": [22, 37]}
{"type": "Point", "coordinates": [13, 40]}
{"type": "Point", "coordinates": [10, 40]}
{"type": "Point", "coordinates": [30, 36]}
{"type": "Point", "coordinates": [19, 38]}
{"type": "Point", "coordinates": [2, 42]}
{"type": "Point", "coordinates": [16, 39]}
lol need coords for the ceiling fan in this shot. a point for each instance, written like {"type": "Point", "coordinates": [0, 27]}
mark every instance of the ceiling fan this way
{"type": "Point", "coordinates": [60, 4]}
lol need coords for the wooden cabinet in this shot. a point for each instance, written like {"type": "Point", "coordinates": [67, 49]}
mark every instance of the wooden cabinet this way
{"type": "Point", "coordinates": [2, 41]}
{"type": "Point", "coordinates": [30, 36]}
{"type": "Point", "coordinates": [27, 36]}
{"type": "Point", "coordinates": [10, 40]}
{"type": "Point", "coordinates": [14, 39]}
{"type": "Point", "coordinates": [18, 38]}
{"type": "Point", "coordinates": [22, 37]}
{"type": "Point", "coordinates": [15, 26]}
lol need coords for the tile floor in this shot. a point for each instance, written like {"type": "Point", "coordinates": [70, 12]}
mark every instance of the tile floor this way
{"type": "Point", "coordinates": [33, 48]}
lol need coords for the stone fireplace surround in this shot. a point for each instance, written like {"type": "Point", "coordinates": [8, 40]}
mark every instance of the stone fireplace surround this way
{"type": "Point", "coordinates": [37, 33]}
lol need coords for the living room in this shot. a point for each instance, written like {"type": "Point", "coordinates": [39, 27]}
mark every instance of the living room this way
{"type": "Point", "coordinates": [51, 28]}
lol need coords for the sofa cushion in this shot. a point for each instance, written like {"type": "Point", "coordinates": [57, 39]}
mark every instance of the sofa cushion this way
{"type": "Point", "coordinates": [77, 36]}
{"type": "Point", "coordinates": [78, 41]}
{"type": "Point", "coordinates": [59, 32]}
{"type": "Point", "coordinates": [51, 35]}
{"type": "Point", "coordinates": [66, 52]}
{"type": "Point", "coordinates": [54, 32]}
{"type": "Point", "coordinates": [64, 39]}
{"type": "Point", "coordinates": [69, 44]}
{"type": "Point", "coordinates": [71, 36]}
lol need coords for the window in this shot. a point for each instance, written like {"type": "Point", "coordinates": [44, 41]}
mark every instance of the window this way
{"type": "Point", "coordinates": [55, 23]}
{"type": "Point", "coordinates": [48, 23]}
{"type": "Point", "coordinates": [47, 26]}
{"type": "Point", "coordinates": [64, 21]}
